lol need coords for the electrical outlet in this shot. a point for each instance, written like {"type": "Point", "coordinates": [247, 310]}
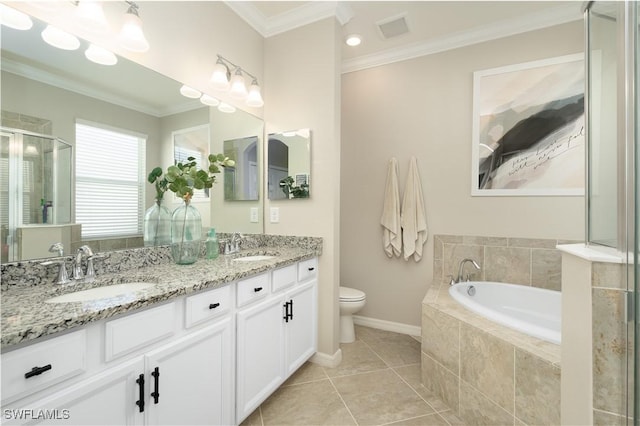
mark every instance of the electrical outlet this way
{"type": "Point", "coordinates": [253, 215]}
{"type": "Point", "coordinates": [274, 214]}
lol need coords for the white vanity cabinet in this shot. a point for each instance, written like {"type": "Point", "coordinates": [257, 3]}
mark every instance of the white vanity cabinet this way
{"type": "Point", "coordinates": [275, 335]}
{"type": "Point", "coordinates": [209, 358]}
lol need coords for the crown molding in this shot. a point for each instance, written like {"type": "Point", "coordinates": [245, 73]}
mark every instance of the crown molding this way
{"type": "Point", "coordinates": [551, 17]}
{"type": "Point", "coordinates": [292, 19]}
{"type": "Point", "coordinates": [72, 85]}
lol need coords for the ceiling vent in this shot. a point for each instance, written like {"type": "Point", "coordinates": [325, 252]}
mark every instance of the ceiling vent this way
{"type": "Point", "coordinates": [394, 26]}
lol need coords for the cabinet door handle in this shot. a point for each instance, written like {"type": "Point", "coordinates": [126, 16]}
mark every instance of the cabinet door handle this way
{"type": "Point", "coordinates": [286, 311]}
{"type": "Point", "coordinates": [36, 371]}
{"type": "Point", "coordinates": [140, 401]}
{"type": "Point", "coordinates": [311, 268]}
{"type": "Point", "coordinates": [257, 289]}
{"type": "Point", "coordinates": [156, 385]}
{"type": "Point", "coordinates": [213, 305]}
{"type": "Point", "coordinates": [291, 310]}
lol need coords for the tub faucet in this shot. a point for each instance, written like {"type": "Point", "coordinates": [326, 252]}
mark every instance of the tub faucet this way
{"type": "Point", "coordinates": [461, 269]}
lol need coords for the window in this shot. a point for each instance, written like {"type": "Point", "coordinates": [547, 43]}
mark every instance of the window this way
{"type": "Point", "coordinates": [193, 142]}
{"type": "Point", "coordinates": [109, 181]}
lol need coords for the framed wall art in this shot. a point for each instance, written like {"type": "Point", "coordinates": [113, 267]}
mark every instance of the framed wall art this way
{"type": "Point", "coordinates": [529, 129]}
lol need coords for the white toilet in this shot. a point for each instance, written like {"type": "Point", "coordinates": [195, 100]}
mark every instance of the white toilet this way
{"type": "Point", "coordinates": [351, 301]}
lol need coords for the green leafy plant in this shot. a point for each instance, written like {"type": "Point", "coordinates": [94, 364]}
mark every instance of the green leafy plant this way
{"type": "Point", "coordinates": [183, 178]}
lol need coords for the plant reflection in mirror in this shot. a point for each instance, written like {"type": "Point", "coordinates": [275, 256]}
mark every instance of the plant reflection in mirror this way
{"type": "Point", "coordinates": [290, 189]}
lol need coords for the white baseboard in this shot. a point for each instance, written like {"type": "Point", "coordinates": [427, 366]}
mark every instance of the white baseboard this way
{"type": "Point", "coordinates": [396, 327]}
{"type": "Point", "coordinates": [327, 360]}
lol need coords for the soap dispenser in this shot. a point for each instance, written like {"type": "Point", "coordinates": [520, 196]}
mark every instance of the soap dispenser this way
{"type": "Point", "coordinates": [212, 244]}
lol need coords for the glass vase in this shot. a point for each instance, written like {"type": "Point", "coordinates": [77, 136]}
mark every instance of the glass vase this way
{"type": "Point", "coordinates": [186, 234]}
{"type": "Point", "coordinates": [157, 225]}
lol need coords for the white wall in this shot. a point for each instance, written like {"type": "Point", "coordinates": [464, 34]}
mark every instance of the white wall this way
{"type": "Point", "coordinates": [302, 90]}
{"type": "Point", "coordinates": [423, 107]}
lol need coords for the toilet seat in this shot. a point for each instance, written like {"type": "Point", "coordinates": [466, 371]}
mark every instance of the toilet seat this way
{"type": "Point", "coordinates": [348, 294]}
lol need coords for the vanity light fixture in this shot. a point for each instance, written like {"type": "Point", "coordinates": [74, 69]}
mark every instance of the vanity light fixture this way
{"type": "Point", "coordinates": [224, 107]}
{"type": "Point", "coordinates": [189, 92]}
{"type": "Point", "coordinates": [100, 55]}
{"type": "Point", "coordinates": [209, 100]}
{"type": "Point", "coordinates": [14, 18]}
{"type": "Point", "coordinates": [131, 36]}
{"type": "Point", "coordinates": [60, 39]}
{"type": "Point", "coordinates": [236, 86]}
{"type": "Point", "coordinates": [353, 40]}
{"type": "Point", "coordinates": [91, 17]}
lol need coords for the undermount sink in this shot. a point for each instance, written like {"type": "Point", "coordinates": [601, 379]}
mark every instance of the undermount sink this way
{"type": "Point", "coordinates": [253, 258]}
{"type": "Point", "coordinates": [100, 292]}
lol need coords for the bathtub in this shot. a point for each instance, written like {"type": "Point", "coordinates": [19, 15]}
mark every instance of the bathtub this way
{"type": "Point", "coordinates": [530, 310]}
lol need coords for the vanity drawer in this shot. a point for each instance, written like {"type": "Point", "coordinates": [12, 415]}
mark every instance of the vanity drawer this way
{"type": "Point", "coordinates": [283, 278]}
{"type": "Point", "coordinates": [207, 305]}
{"type": "Point", "coordinates": [307, 269]}
{"type": "Point", "coordinates": [253, 288]}
{"type": "Point", "coordinates": [41, 365]}
{"type": "Point", "coordinates": [125, 335]}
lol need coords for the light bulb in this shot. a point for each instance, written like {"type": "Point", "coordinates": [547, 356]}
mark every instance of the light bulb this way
{"type": "Point", "coordinates": [60, 39]}
{"type": "Point", "coordinates": [131, 36]}
{"type": "Point", "coordinates": [254, 99]}
{"type": "Point", "coordinates": [100, 55]}
{"type": "Point", "coordinates": [209, 100]}
{"type": "Point", "coordinates": [189, 92]}
{"type": "Point", "coordinates": [91, 17]}
{"type": "Point", "coordinates": [14, 18]}
{"type": "Point", "coordinates": [238, 89]}
{"type": "Point", "coordinates": [219, 77]}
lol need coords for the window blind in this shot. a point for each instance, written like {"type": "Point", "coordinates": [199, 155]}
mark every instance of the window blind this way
{"type": "Point", "coordinates": [109, 181]}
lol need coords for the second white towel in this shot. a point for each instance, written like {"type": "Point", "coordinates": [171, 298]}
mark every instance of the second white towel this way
{"type": "Point", "coordinates": [413, 216]}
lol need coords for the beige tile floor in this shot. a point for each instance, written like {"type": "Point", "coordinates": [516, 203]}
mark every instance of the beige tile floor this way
{"type": "Point", "coordinates": [377, 383]}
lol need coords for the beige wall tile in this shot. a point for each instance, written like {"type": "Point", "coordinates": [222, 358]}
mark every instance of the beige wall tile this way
{"type": "Point", "coordinates": [508, 265]}
{"type": "Point", "coordinates": [477, 409]}
{"type": "Point", "coordinates": [609, 350]}
{"type": "Point", "coordinates": [486, 363]}
{"type": "Point", "coordinates": [485, 241]}
{"type": "Point", "coordinates": [532, 243]}
{"type": "Point", "coordinates": [441, 338]}
{"type": "Point", "coordinates": [609, 275]}
{"type": "Point", "coordinates": [440, 381]}
{"type": "Point", "coordinates": [602, 418]}
{"type": "Point", "coordinates": [537, 393]}
{"type": "Point", "coordinates": [546, 269]}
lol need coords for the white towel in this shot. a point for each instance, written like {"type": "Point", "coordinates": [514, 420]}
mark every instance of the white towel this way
{"type": "Point", "coordinates": [413, 218]}
{"type": "Point", "coordinates": [390, 221]}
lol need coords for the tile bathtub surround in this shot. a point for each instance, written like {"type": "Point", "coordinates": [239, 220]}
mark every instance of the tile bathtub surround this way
{"type": "Point", "coordinates": [31, 272]}
{"type": "Point", "coordinates": [485, 379]}
{"type": "Point", "coordinates": [534, 262]}
{"type": "Point", "coordinates": [377, 383]}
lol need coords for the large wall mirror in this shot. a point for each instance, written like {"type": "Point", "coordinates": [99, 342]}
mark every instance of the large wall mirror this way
{"type": "Point", "coordinates": [40, 82]}
{"type": "Point", "coordinates": [289, 165]}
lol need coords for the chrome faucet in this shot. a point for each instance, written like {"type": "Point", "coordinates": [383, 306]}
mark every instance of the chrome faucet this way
{"type": "Point", "coordinates": [63, 277]}
{"type": "Point", "coordinates": [233, 245]}
{"type": "Point", "coordinates": [77, 264]}
{"type": "Point", "coordinates": [461, 270]}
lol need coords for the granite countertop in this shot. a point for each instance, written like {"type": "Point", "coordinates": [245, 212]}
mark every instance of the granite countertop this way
{"type": "Point", "coordinates": [26, 316]}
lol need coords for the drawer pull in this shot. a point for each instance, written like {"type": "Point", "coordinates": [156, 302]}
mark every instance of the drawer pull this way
{"type": "Point", "coordinates": [140, 382]}
{"type": "Point", "coordinates": [311, 268]}
{"type": "Point", "coordinates": [257, 289]}
{"type": "Point", "coordinates": [156, 385]}
{"type": "Point", "coordinates": [213, 305]}
{"type": "Point", "coordinates": [36, 371]}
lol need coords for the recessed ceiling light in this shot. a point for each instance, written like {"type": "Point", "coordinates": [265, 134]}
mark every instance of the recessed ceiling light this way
{"type": "Point", "coordinates": [353, 40]}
